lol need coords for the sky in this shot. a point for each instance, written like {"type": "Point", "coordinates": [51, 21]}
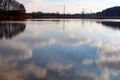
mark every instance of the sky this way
{"type": "Point", "coordinates": [71, 6]}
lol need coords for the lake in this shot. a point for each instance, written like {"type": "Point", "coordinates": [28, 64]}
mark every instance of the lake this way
{"type": "Point", "coordinates": [60, 49]}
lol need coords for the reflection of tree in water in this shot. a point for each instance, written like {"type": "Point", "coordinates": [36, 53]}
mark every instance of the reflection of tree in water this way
{"type": "Point", "coordinates": [9, 30]}
{"type": "Point", "coordinates": [115, 25]}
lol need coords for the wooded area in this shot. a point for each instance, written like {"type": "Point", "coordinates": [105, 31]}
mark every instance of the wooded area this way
{"type": "Point", "coordinates": [11, 10]}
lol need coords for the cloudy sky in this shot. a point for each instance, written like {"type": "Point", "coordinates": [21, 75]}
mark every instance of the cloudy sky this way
{"type": "Point", "coordinates": [72, 6]}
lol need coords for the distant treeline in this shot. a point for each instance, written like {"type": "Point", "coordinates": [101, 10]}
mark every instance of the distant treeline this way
{"type": "Point", "coordinates": [56, 15]}
{"type": "Point", "coordinates": [109, 13]}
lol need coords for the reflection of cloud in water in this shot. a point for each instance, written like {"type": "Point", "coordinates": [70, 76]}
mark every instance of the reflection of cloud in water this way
{"type": "Point", "coordinates": [92, 75]}
{"type": "Point", "coordinates": [10, 55]}
{"type": "Point", "coordinates": [58, 66]}
{"type": "Point", "coordinates": [45, 42]}
{"type": "Point", "coordinates": [108, 52]}
{"type": "Point", "coordinates": [109, 69]}
{"type": "Point", "coordinates": [108, 58]}
{"type": "Point", "coordinates": [14, 51]}
{"type": "Point", "coordinates": [33, 70]}
{"type": "Point", "coordinates": [29, 72]}
{"type": "Point", "coordinates": [87, 61]}
{"type": "Point", "coordinates": [71, 40]}
{"type": "Point", "coordinates": [74, 40]}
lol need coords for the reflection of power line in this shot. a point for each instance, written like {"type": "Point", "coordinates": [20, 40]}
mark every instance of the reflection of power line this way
{"type": "Point", "coordinates": [63, 25]}
{"type": "Point", "coordinates": [83, 23]}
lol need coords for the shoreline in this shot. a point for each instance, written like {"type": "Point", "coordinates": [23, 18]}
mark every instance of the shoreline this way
{"type": "Point", "coordinates": [22, 18]}
{"type": "Point", "coordinates": [72, 17]}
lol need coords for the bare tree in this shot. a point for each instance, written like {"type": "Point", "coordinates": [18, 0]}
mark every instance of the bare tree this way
{"type": "Point", "coordinates": [10, 5]}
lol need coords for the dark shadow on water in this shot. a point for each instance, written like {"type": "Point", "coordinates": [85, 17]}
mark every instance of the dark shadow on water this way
{"type": "Point", "coordinates": [113, 25]}
{"type": "Point", "coordinates": [9, 30]}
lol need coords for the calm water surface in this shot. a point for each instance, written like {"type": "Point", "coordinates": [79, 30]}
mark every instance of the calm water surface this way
{"type": "Point", "coordinates": [60, 50]}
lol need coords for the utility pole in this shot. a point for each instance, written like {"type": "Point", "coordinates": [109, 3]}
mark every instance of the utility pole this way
{"type": "Point", "coordinates": [83, 11]}
{"type": "Point", "coordinates": [64, 8]}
